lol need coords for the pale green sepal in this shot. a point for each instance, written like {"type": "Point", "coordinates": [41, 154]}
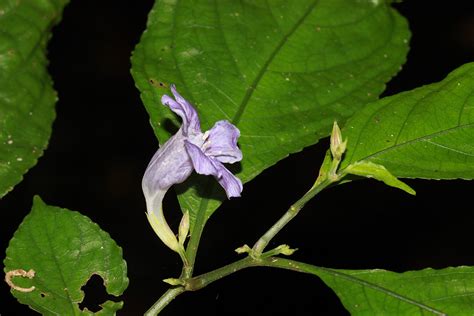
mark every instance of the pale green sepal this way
{"type": "Point", "coordinates": [183, 229]}
{"type": "Point", "coordinates": [372, 170]}
{"type": "Point", "coordinates": [324, 169]}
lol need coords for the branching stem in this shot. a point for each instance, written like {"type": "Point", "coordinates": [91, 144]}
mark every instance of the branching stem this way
{"type": "Point", "coordinates": [328, 175]}
{"type": "Point", "coordinates": [201, 281]}
{"type": "Point", "coordinates": [256, 258]}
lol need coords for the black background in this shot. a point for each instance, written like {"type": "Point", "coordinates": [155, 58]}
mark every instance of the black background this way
{"type": "Point", "coordinates": [102, 142]}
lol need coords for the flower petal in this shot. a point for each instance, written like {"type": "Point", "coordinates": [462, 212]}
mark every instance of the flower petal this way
{"type": "Point", "coordinates": [231, 184]}
{"type": "Point", "coordinates": [201, 163]}
{"type": "Point", "coordinates": [221, 143]}
{"type": "Point", "coordinates": [184, 109]}
{"type": "Point", "coordinates": [210, 166]}
{"type": "Point", "coordinates": [169, 165]}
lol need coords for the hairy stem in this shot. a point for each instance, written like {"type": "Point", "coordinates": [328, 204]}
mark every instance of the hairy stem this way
{"type": "Point", "coordinates": [260, 245]}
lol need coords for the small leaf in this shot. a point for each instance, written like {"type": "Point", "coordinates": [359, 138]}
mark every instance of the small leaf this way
{"type": "Point", "coordinates": [372, 170]}
{"type": "Point", "coordinates": [64, 249]}
{"type": "Point", "coordinates": [424, 133]}
{"type": "Point", "coordinates": [447, 291]}
{"type": "Point", "coordinates": [27, 97]}
{"type": "Point", "coordinates": [282, 71]}
{"type": "Point", "coordinates": [324, 169]}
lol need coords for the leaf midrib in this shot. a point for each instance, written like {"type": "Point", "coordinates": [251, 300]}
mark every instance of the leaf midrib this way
{"type": "Point", "coordinates": [251, 88]}
{"type": "Point", "coordinates": [255, 82]}
{"type": "Point", "coordinates": [414, 140]}
{"type": "Point", "coordinates": [54, 257]}
{"type": "Point", "coordinates": [418, 139]}
{"type": "Point", "coordinates": [67, 297]}
{"type": "Point", "coordinates": [378, 288]}
{"type": "Point", "coordinates": [201, 213]}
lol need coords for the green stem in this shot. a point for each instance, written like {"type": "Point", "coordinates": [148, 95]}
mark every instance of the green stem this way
{"type": "Point", "coordinates": [193, 245]}
{"type": "Point", "coordinates": [200, 222]}
{"type": "Point", "coordinates": [256, 258]}
{"type": "Point", "coordinates": [205, 279]}
{"type": "Point", "coordinates": [260, 245]}
{"type": "Point", "coordinates": [164, 300]}
{"type": "Point", "coordinates": [328, 175]}
{"type": "Point", "coordinates": [198, 282]}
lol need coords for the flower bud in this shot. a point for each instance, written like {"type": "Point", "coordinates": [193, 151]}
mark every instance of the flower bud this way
{"type": "Point", "coordinates": [338, 147]}
{"type": "Point", "coordinates": [183, 229]}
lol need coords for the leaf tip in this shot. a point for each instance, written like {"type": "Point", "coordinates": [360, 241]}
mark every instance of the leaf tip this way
{"type": "Point", "coordinates": [37, 200]}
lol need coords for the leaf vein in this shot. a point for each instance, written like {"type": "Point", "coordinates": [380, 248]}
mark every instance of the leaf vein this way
{"type": "Point", "coordinates": [379, 288]}
{"type": "Point", "coordinates": [448, 148]}
{"type": "Point", "coordinates": [250, 89]}
{"type": "Point", "coordinates": [424, 138]}
{"type": "Point", "coordinates": [463, 108]}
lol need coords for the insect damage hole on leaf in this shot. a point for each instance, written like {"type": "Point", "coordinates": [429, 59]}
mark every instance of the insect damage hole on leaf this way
{"type": "Point", "coordinates": [158, 84]}
{"type": "Point", "coordinates": [20, 273]}
{"type": "Point", "coordinates": [95, 294]}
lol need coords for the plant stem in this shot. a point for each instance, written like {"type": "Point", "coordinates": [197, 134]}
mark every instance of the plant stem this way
{"type": "Point", "coordinates": [200, 222]}
{"type": "Point", "coordinates": [205, 279]}
{"type": "Point", "coordinates": [260, 245]}
{"type": "Point", "coordinates": [256, 258]}
{"type": "Point", "coordinates": [164, 300]}
{"type": "Point", "coordinates": [198, 282]}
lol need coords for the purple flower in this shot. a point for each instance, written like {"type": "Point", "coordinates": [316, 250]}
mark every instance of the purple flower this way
{"type": "Point", "coordinates": [189, 149]}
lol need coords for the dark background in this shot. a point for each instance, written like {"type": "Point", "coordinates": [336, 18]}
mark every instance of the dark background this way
{"type": "Point", "coordinates": [102, 142]}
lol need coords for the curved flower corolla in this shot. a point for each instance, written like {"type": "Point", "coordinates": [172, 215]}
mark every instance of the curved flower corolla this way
{"type": "Point", "coordinates": [189, 149]}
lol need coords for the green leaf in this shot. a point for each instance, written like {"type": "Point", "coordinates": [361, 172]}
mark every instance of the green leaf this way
{"type": "Point", "coordinates": [447, 291]}
{"type": "Point", "coordinates": [371, 170]}
{"type": "Point", "coordinates": [282, 71]}
{"type": "Point", "coordinates": [27, 97]}
{"type": "Point", "coordinates": [65, 249]}
{"type": "Point", "coordinates": [424, 133]}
